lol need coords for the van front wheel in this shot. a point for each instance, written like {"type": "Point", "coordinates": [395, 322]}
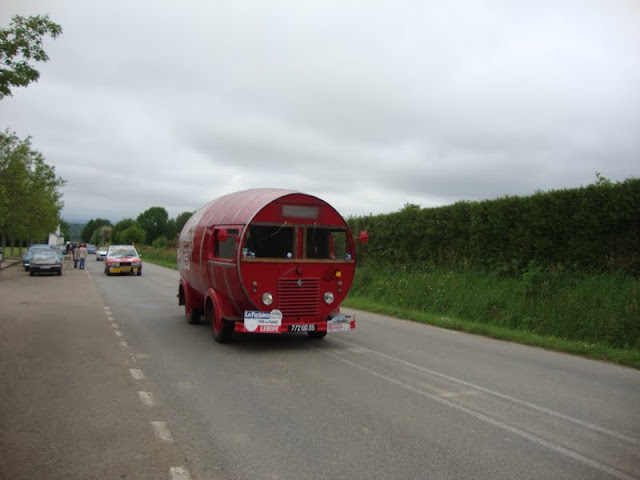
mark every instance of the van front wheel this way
{"type": "Point", "coordinates": [192, 314]}
{"type": "Point", "coordinates": [317, 335]}
{"type": "Point", "coordinates": [222, 330]}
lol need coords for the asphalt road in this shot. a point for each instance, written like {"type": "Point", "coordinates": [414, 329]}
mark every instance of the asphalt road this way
{"type": "Point", "coordinates": [101, 377]}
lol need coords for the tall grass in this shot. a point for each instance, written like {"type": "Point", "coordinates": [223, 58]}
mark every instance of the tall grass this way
{"type": "Point", "coordinates": [594, 315]}
{"type": "Point", "coordinates": [159, 256]}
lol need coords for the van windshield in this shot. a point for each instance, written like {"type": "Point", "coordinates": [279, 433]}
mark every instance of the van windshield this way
{"type": "Point", "coordinates": [269, 241]}
{"type": "Point", "coordinates": [326, 243]}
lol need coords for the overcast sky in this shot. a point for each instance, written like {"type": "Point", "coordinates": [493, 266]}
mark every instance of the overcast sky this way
{"type": "Point", "coordinates": [368, 104]}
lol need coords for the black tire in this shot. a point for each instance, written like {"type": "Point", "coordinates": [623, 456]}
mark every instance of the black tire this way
{"type": "Point", "coordinates": [226, 332]}
{"type": "Point", "coordinates": [108, 272]}
{"type": "Point", "coordinates": [317, 335]}
{"type": "Point", "coordinates": [32, 273]}
{"type": "Point", "coordinates": [59, 273]}
{"type": "Point", "coordinates": [139, 272]}
{"type": "Point", "coordinates": [222, 334]}
{"type": "Point", "coordinates": [192, 315]}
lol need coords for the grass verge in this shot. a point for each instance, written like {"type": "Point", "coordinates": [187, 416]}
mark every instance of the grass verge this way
{"type": "Point", "coordinates": [595, 316]}
{"type": "Point", "coordinates": [596, 351]}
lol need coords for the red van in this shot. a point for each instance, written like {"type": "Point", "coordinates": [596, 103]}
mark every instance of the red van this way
{"type": "Point", "coordinates": [267, 261]}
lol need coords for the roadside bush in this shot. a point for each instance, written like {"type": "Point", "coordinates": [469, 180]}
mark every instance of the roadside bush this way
{"type": "Point", "coordinates": [160, 243]}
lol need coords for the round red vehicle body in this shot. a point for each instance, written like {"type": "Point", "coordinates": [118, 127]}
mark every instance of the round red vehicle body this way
{"type": "Point", "coordinates": [267, 261]}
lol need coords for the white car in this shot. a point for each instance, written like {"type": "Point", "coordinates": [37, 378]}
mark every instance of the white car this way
{"type": "Point", "coordinates": [101, 253]}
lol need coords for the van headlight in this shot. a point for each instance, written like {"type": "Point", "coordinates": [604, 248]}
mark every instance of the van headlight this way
{"type": "Point", "coordinates": [267, 298]}
{"type": "Point", "coordinates": [328, 298]}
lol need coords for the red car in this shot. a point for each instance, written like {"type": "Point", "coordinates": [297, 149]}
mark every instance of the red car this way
{"type": "Point", "coordinates": [122, 259]}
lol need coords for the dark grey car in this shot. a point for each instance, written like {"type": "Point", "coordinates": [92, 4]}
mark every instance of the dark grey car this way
{"type": "Point", "coordinates": [45, 262]}
{"type": "Point", "coordinates": [38, 247]}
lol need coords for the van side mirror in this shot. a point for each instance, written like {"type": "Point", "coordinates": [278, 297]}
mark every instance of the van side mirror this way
{"type": "Point", "coordinates": [363, 237]}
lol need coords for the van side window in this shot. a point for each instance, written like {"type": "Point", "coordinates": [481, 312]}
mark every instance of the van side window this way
{"type": "Point", "coordinates": [227, 248]}
{"type": "Point", "coordinates": [267, 241]}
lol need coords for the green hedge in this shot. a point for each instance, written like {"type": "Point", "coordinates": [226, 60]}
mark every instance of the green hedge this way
{"type": "Point", "coordinates": [590, 229]}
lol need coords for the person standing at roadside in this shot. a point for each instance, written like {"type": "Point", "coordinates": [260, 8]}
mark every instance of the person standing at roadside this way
{"type": "Point", "coordinates": [76, 256]}
{"type": "Point", "coordinates": [82, 254]}
{"type": "Point", "coordinates": [73, 249]}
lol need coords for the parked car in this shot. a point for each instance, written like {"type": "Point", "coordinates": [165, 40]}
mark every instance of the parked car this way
{"type": "Point", "coordinates": [101, 253]}
{"type": "Point", "coordinates": [26, 258]}
{"type": "Point", "coordinates": [45, 261]}
{"type": "Point", "coordinates": [122, 259]}
{"type": "Point", "coordinates": [91, 248]}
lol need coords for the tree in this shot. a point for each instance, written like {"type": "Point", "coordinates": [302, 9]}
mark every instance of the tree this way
{"type": "Point", "coordinates": [44, 201]}
{"type": "Point", "coordinates": [120, 227]}
{"type": "Point", "coordinates": [19, 44]}
{"type": "Point", "coordinates": [154, 223]}
{"type": "Point", "coordinates": [170, 230]}
{"type": "Point", "coordinates": [14, 174]}
{"type": "Point", "coordinates": [133, 234]}
{"type": "Point", "coordinates": [30, 200]}
{"type": "Point", "coordinates": [102, 235]}
{"type": "Point", "coordinates": [65, 229]}
{"type": "Point", "coordinates": [181, 220]}
{"type": "Point", "coordinates": [91, 227]}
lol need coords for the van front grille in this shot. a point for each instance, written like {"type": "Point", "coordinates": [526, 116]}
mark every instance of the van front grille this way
{"type": "Point", "coordinates": [299, 297]}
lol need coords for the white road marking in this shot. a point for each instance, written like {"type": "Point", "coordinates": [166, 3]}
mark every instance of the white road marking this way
{"type": "Point", "coordinates": [136, 373]}
{"type": "Point", "coordinates": [118, 333]}
{"type": "Point", "coordinates": [124, 344]}
{"type": "Point", "coordinates": [458, 394]}
{"type": "Point", "coordinates": [532, 406]}
{"type": "Point", "coordinates": [492, 421]}
{"type": "Point", "coordinates": [162, 431]}
{"type": "Point", "coordinates": [147, 398]}
{"type": "Point", "coordinates": [179, 473]}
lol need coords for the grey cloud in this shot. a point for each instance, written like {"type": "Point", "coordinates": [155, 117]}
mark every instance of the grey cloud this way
{"type": "Point", "coordinates": [368, 105]}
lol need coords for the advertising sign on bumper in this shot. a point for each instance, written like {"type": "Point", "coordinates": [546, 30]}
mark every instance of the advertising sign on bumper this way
{"type": "Point", "coordinates": [263, 322]}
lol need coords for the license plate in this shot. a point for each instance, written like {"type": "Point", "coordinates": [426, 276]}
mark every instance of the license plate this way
{"type": "Point", "coordinates": [338, 327]}
{"type": "Point", "coordinates": [45, 268]}
{"type": "Point", "coordinates": [305, 327]}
